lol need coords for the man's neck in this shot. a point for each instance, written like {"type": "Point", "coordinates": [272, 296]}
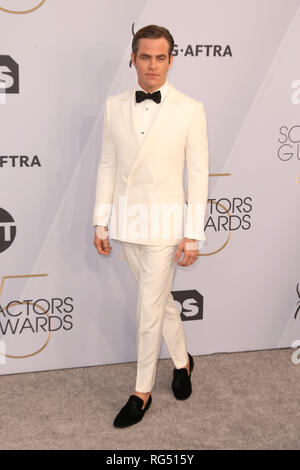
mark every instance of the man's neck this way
{"type": "Point", "coordinates": [153, 89]}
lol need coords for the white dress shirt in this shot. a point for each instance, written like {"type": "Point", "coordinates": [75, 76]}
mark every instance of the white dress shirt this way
{"type": "Point", "coordinates": [145, 112]}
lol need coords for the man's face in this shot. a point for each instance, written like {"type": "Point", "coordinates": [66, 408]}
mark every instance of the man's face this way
{"type": "Point", "coordinates": [152, 63]}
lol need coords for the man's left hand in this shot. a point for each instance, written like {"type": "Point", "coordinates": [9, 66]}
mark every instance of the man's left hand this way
{"type": "Point", "coordinates": [190, 247]}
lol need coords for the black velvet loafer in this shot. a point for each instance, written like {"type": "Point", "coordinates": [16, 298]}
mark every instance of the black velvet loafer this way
{"type": "Point", "coordinates": [181, 384]}
{"type": "Point", "coordinates": [132, 412]}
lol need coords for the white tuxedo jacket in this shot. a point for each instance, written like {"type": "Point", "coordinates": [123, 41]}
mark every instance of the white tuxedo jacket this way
{"type": "Point", "coordinates": [140, 186]}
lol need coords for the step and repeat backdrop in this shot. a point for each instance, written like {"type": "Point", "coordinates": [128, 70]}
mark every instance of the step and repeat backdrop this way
{"type": "Point", "coordinates": [62, 304]}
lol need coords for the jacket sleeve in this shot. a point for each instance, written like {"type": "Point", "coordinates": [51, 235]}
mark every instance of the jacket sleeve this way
{"type": "Point", "coordinates": [106, 174]}
{"type": "Point", "coordinates": [197, 161]}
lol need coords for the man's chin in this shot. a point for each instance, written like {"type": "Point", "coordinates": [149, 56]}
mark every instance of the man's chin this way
{"type": "Point", "coordinates": [153, 81]}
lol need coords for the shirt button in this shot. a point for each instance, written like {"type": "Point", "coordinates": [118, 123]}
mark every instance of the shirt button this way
{"type": "Point", "coordinates": [147, 109]}
{"type": "Point", "coordinates": [142, 132]}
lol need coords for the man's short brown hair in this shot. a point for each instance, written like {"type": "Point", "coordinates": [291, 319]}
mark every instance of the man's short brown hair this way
{"type": "Point", "coordinates": [154, 32]}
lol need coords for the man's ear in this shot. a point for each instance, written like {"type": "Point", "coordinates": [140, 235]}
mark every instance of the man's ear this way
{"type": "Point", "coordinates": [132, 59]}
{"type": "Point", "coordinates": [171, 61]}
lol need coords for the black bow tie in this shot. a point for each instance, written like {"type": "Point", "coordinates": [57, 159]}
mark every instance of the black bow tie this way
{"type": "Point", "coordinates": [141, 96]}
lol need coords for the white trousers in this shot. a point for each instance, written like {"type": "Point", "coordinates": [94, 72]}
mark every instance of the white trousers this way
{"type": "Point", "coordinates": [157, 316]}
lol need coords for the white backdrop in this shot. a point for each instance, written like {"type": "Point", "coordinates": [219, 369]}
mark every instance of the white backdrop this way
{"type": "Point", "coordinates": [63, 305]}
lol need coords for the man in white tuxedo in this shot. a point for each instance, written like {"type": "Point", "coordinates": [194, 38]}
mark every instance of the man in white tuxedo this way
{"type": "Point", "coordinates": [149, 134]}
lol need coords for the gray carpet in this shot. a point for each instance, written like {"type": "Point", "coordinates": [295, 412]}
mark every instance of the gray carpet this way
{"type": "Point", "coordinates": [245, 400]}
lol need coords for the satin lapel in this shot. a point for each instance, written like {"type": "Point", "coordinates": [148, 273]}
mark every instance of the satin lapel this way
{"type": "Point", "coordinates": [129, 119]}
{"type": "Point", "coordinates": [164, 113]}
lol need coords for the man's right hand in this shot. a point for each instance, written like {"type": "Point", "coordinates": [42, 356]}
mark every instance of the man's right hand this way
{"type": "Point", "coordinates": [101, 240]}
